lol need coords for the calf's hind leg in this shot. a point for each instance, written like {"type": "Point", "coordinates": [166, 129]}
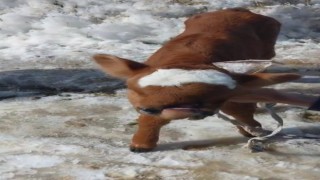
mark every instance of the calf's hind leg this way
{"type": "Point", "coordinates": [242, 112]}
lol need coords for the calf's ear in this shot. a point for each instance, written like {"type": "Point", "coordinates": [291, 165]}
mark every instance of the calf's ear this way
{"type": "Point", "coordinates": [118, 67]}
{"type": "Point", "coordinates": [264, 79]}
{"type": "Point", "coordinates": [249, 90]}
{"type": "Point", "coordinates": [268, 95]}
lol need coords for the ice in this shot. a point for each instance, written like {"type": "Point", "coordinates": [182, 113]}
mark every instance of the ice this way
{"type": "Point", "coordinates": [32, 161]}
{"type": "Point", "coordinates": [77, 132]}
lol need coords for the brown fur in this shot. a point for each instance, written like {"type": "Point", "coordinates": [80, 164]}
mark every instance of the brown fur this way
{"type": "Point", "coordinates": [233, 34]}
{"type": "Point", "coordinates": [225, 35]}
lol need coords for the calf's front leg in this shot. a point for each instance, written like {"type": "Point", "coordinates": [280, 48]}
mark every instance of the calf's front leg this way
{"type": "Point", "coordinates": [147, 135]}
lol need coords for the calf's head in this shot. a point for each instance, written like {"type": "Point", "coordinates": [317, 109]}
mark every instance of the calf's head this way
{"type": "Point", "coordinates": [187, 91]}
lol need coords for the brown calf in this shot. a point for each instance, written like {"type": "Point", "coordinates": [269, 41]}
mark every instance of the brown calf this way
{"type": "Point", "coordinates": [180, 80]}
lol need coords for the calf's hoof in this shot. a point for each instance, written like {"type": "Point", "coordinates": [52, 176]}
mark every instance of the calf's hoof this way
{"type": "Point", "coordinates": [140, 149]}
{"type": "Point", "coordinates": [244, 132]}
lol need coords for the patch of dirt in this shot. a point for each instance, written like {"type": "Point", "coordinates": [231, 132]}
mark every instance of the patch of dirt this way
{"type": "Point", "coordinates": [311, 116]}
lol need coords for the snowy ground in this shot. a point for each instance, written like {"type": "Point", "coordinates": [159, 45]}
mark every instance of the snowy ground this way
{"type": "Point", "coordinates": [63, 127]}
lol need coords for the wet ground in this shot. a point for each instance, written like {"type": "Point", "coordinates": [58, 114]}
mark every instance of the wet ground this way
{"type": "Point", "coordinates": [78, 131]}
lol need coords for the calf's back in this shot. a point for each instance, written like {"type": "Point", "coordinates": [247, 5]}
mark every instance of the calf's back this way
{"type": "Point", "coordinates": [225, 35]}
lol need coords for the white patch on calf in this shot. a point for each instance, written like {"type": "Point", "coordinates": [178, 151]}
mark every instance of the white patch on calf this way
{"type": "Point", "coordinates": [178, 77]}
{"type": "Point", "coordinates": [244, 66]}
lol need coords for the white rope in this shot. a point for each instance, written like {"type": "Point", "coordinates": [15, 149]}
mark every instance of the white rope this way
{"type": "Point", "coordinates": [256, 144]}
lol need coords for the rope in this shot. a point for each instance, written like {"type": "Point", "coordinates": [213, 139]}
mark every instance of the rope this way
{"type": "Point", "coordinates": [256, 144]}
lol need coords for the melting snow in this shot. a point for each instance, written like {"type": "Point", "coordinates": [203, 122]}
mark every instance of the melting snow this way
{"type": "Point", "coordinates": [85, 136]}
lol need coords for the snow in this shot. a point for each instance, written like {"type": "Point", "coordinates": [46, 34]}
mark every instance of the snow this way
{"type": "Point", "coordinates": [74, 135]}
{"type": "Point", "coordinates": [32, 161]}
{"type": "Point", "coordinates": [41, 33]}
